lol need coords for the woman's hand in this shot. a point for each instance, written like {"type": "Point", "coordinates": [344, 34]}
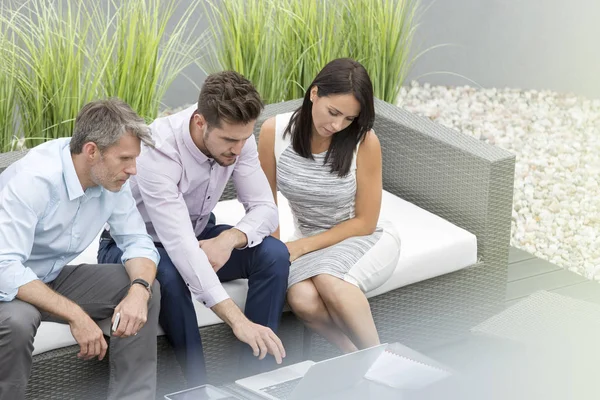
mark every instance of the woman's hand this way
{"type": "Point", "coordinates": [296, 249]}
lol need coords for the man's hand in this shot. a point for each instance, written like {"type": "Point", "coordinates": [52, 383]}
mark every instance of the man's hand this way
{"type": "Point", "coordinates": [261, 339]}
{"type": "Point", "coordinates": [218, 249]}
{"type": "Point", "coordinates": [86, 332]}
{"type": "Point", "coordinates": [295, 248]}
{"type": "Point", "coordinates": [134, 311]}
{"type": "Point", "coordinates": [89, 337]}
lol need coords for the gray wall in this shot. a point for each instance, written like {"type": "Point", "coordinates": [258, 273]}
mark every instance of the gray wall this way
{"type": "Point", "coordinates": [529, 44]}
{"type": "Point", "coordinates": [185, 88]}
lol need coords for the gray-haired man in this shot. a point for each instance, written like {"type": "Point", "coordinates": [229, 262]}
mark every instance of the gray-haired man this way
{"type": "Point", "coordinates": [53, 202]}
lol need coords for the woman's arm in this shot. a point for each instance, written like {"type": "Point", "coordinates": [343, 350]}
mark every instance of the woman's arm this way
{"type": "Point", "coordinates": [368, 203]}
{"type": "Point", "coordinates": [266, 156]}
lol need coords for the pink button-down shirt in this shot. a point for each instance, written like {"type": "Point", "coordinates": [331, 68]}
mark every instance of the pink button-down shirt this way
{"type": "Point", "coordinates": [177, 187]}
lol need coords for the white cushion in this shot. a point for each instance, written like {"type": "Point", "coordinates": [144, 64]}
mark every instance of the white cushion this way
{"type": "Point", "coordinates": [431, 246]}
{"type": "Point", "coordinates": [50, 336]}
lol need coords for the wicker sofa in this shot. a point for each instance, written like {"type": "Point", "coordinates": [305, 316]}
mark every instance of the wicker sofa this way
{"type": "Point", "coordinates": [463, 180]}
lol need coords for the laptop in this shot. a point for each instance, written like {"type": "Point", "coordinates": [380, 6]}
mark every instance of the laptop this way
{"type": "Point", "coordinates": [204, 392]}
{"type": "Point", "coordinates": [310, 380]}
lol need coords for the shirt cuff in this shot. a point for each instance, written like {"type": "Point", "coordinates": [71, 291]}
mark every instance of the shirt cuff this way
{"type": "Point", "coordinates": [213, 296]}
{"type": "Point", "coordinates": [9, 292]}
{"type": "Point", "coordinates": [250, 233]}
{"type": "Point", "coordinates": [151, 254]}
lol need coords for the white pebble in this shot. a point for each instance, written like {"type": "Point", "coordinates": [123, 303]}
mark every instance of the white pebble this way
{"type": "Point", "coordinates": [556, 140]}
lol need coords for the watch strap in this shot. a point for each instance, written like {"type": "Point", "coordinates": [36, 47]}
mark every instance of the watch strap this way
{"type": "Point", "coordinates": [144, 283]}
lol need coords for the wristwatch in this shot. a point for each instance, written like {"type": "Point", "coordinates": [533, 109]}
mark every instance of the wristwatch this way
{"type": "Point", "coordinates": [145, 284]}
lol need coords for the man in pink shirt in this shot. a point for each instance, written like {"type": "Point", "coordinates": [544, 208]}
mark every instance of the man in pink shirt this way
{"type": "Point", "coordinates": [178, 184]}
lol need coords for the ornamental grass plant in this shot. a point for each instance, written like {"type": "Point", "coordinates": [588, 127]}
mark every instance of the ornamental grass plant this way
{"type": "Point", "coordinates": [55, 56]}
{"type": "Point", "coordinates": [280, 45]}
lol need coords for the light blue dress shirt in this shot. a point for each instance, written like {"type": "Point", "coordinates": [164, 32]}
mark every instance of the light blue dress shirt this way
{"type": "Point", "coordinates": [46, 219]}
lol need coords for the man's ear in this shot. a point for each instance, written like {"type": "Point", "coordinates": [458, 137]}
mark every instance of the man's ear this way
{"type": "Point", "coordinates": [200, 121]}
{"type": "Point", "coordinates": [91, 151]}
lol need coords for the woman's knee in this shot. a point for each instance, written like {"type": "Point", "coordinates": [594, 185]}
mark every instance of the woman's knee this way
{"type": "Point", "coordinates": [335, 292]}
{"type": "Point", "coordinates": [305, 301]}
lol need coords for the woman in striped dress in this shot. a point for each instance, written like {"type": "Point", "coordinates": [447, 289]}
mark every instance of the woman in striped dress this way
{"type": "Point", "coordinates": [325, 160]}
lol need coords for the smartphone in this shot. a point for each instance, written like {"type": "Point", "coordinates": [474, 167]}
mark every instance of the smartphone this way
{"type": "Point", "coordinates": [204, 392]}
{"type": "Point", "coordinates": [115, 324]}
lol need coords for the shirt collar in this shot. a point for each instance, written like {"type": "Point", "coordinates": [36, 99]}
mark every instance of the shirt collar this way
{"type": "Point", "coordinates": [186, 115]}
{"type": "Point", "coordinates": [72, 182]}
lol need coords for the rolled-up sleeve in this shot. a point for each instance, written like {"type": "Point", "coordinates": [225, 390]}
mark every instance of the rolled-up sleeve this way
{"type": "Point", "coordinates": [22, 204]}
{"type": "Point", "coordinates": [255, 194]}
{"type": "Point", "coordinates": [129, 231]}
{"type": "Point", "coordinates": [170, 218]}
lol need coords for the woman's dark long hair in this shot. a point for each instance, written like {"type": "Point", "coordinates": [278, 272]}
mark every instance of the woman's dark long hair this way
{"type": "Point", "coordinates": [340, 76]}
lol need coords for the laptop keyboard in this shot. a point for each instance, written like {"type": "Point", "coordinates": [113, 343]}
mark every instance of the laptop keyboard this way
{"type": "Point", "coordinates": [281, 390]}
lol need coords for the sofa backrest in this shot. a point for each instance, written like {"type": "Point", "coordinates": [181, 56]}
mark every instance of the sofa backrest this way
{"type": "Point", "coordinates": [461, 179]}
{"type": "Point", "coordinates": [8, 158]}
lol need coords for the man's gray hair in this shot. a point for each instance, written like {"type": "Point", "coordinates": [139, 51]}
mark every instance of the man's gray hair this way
{"type": "Point", "coordinates": [104, 122]}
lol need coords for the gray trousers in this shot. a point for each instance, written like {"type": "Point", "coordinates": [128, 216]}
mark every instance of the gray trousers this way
{"type": "Point", "coordinates": [97, 289]}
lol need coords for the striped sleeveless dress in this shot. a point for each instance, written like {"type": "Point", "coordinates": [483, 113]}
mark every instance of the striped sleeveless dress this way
{"type": "Point", "coordinates": [320, 200]}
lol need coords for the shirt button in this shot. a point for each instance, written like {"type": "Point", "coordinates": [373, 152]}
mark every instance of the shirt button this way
{"type": "Point", "coordinates": [208, 198]}
{"type": "Point", "coordinates": [204, 302]}
{"type": "Point", "coordinates": [252, 242]}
